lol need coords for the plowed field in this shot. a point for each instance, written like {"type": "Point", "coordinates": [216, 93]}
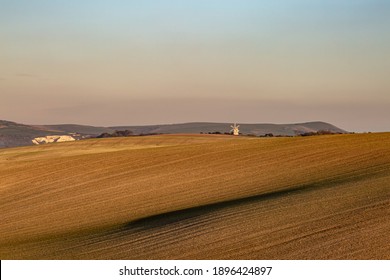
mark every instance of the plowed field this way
{"type": "Point", "coordinates": [198, 197]}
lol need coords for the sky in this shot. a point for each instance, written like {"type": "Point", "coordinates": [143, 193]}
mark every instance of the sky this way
{"type": "Point", "coordinates": [136, 62]}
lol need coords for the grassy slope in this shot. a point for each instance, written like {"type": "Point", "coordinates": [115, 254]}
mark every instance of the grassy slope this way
{"type": "Point", "coordinates": [178, 196]}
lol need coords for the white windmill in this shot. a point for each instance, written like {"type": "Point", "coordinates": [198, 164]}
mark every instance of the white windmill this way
{"type": "Point", "coordinates": [235, 129]}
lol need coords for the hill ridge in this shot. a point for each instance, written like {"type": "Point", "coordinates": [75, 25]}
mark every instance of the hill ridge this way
{"type": "Point", "coordinates": [13, 134]}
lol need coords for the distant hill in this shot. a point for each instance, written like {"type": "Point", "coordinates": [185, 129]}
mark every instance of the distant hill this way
{"type": "Point", "coordinates": [14, 134]}
{"type": "Point", "coordinates": [255, 129]}
{"type": "Point", "coordinates": [82, 129]}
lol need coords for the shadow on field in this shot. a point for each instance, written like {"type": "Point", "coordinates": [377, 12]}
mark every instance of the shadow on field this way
{"type": "Point", "coordinates": [168, 218]}
{"type": "Point", "coordinates": [164, 219]}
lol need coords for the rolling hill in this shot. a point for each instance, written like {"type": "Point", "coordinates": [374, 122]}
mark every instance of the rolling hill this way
{"type": "Point", "coordinates": [198, 197]}
{"type": "Point", "coordinates": [13, 134]}
{"type": "Point", "coordinates": [255, 129]}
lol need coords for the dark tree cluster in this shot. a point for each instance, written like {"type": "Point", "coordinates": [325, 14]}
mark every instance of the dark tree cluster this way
{"type": "Point", "coordinates": [319, 132]}
{"type": "Point", "coordinates": [214, 132]}
{"type": "Point", "coordinates": [148, 134]}
{"type": "Point", "coordinates": [118, 133]}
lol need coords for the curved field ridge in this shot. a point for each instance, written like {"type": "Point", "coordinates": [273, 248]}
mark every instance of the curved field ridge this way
{"type": "Point", "coordinates": [198, 197]}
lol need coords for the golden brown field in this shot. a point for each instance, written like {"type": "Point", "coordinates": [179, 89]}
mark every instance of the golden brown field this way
{"type": "Point", "coordinates": [198, 197]}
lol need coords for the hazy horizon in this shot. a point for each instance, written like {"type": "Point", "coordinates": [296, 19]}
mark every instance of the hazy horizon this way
{"type": "Point", "coordinates": [152, 62]}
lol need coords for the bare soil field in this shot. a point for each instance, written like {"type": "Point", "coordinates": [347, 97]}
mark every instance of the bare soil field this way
{"type": "Point", "coordinates": [198, 197]}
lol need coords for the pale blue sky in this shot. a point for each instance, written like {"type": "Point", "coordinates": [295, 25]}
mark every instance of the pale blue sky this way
{"type": "Point", "coordinates": [150, 61]}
